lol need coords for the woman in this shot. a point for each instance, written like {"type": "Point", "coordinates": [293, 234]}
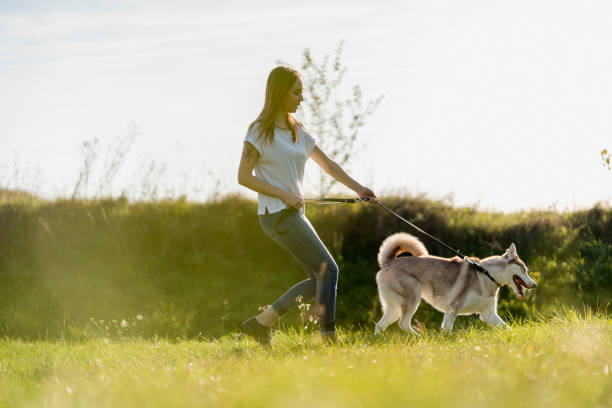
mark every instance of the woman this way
{"type": "Point", "coordinates": [277, 146]}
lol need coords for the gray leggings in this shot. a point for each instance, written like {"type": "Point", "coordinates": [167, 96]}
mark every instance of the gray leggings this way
{"type": "Point", "coordinates": [294, 233]}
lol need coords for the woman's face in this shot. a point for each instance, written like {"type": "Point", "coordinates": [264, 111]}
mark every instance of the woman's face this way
{"type": "Point", "coordinates": [294, 98]}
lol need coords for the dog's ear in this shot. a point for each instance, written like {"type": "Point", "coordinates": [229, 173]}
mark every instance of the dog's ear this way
{"type": "Point", "coordinates": [511, 252]}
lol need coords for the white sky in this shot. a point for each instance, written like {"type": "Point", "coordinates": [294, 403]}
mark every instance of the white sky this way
{"type": "Point", "coordinates": [501, 104]}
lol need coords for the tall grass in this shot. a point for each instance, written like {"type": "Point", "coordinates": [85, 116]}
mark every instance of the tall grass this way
{"type": "Point", "coordinates": [79, 269]}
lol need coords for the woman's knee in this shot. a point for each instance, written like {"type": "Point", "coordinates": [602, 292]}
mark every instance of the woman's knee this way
{"type": "Point", "coordinates": [329, 270]}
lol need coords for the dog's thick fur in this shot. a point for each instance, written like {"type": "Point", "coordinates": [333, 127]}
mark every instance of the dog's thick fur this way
{"type": "Point", "coordinates": [452, 286]}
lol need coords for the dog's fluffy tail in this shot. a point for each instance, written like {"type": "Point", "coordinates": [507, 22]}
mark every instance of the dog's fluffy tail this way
{"type": "Point", "coordinates": [399, 243]}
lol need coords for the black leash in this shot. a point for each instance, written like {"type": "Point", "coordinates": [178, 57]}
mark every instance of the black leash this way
{"type": "Point", "coordinates": [475, 264]}
{"type": "Point", "coordinates": [324, 201]}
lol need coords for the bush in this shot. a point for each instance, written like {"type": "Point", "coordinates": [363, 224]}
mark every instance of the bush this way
{"type": "Point", "coordinates": [191, 269]}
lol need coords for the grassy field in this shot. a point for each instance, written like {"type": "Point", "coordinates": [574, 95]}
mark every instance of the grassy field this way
{"type": "Point", "coordinates": [563, 361]}
{"type": "Point", "coordinates": [107, 303]}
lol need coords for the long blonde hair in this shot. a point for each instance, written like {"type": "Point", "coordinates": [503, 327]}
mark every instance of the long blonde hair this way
{"type": "Point", "coordinates": [280, 82]}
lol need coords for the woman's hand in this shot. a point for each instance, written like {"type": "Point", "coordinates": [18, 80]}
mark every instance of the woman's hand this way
{"type": "Point", "coordinates": [365, 192]}
{"type": "Point", "coordinates": [293, 200]}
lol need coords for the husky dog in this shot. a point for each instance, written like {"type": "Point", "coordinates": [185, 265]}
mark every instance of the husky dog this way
{"type": "Point", "coordinates": [452, 286]}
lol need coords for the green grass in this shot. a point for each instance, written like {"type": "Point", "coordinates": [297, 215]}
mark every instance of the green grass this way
{"type": "Point", "coordinates": [564, 361]}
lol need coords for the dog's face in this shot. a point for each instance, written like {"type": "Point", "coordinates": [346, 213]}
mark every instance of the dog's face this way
{"type": "Point", "coordinates": [509, 269]}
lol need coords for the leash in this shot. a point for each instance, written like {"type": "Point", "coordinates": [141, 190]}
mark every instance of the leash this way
{"type": "Point", "coordinates": [476, 265]}
{"type": "Point", "coordinates": [455, 251]}
{"type": "Point", "coordinates": [326, 201]}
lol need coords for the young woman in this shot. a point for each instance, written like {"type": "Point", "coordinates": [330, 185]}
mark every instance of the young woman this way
{"type": "Point", "coordinates": [277, 146]}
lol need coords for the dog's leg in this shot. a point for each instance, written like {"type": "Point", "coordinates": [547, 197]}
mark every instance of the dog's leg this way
{"type": "Point", "coordinates": [412, 298]}
{"type": "Point", "coordinates": [408, 311]}
{"type": "Point", "coordinates": [492, 319]}
{"type": "Point", "coordinates": [392, 313]}
{"type": "Point", "coordinates": [391, 302]}
{"type": "Point", "coordinates": [391, 310]}
{"type": "Point", "coordinates": [449, 318]}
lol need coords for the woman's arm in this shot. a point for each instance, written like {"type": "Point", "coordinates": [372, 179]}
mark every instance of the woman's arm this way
{"type": "Point", "coordinates": [249, 158]}
{"type": "Point", "coordinates": [333, 169]}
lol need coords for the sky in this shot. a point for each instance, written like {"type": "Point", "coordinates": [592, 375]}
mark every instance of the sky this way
{"type": "Point", "coordinates": [500, 105]}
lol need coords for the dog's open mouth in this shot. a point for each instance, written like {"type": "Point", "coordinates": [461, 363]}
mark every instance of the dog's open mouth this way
{"type": "Point", "coordinates": [519, 285]}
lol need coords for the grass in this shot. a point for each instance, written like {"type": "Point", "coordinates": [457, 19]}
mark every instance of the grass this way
{"type": "Point", "coordinates": [564, 361]}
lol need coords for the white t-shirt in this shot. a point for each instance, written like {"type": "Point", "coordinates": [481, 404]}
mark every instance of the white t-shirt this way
{"type": "Point", "coordinates": [281, 164]}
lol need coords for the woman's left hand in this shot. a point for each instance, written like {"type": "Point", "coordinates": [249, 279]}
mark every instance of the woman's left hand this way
{"type": "Point", "coordinates": [365, 192]}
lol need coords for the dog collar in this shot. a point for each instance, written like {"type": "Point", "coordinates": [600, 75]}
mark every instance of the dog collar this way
{"type": "Point", "coordinates": [490, 277]}
{"type": "Point", "coordinates": [482, 270]}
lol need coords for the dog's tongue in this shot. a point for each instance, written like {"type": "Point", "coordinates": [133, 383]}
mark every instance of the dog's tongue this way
{"type": "Point", "coordinates": [522, 296]}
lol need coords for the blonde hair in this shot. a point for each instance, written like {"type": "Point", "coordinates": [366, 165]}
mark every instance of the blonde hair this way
{"type": "Point", "coordinates": [280, 82]}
